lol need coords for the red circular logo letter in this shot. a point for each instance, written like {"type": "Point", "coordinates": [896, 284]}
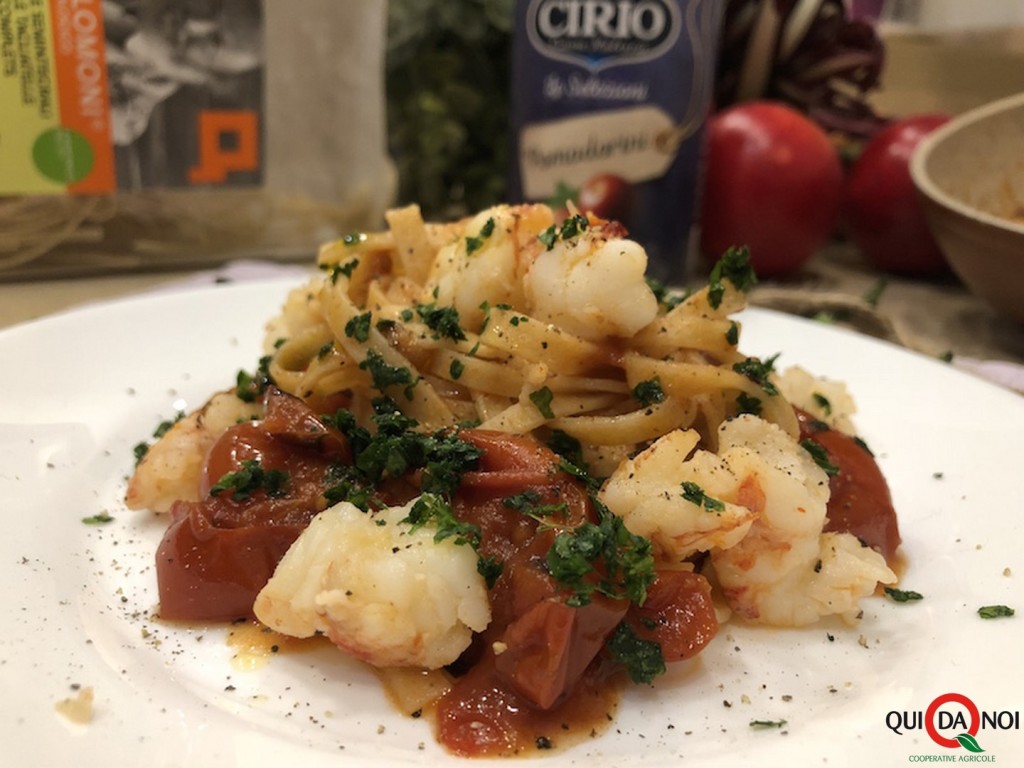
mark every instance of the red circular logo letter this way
{"type": "Point", "coordinates": [946, 698]}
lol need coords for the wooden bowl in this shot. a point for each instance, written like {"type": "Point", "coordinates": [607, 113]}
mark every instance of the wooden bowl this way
{"type": "Point", "coordinates": [970, 177]}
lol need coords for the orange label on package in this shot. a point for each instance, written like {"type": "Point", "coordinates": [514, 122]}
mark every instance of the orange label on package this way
{"type": "Point", "coordinates": [97, 97]}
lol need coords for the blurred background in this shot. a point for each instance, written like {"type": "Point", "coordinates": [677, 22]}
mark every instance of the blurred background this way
{"type": "Point", "coordinates": [367, 104]}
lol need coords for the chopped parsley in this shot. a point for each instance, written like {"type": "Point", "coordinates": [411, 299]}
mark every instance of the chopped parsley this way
{"type": "Point", "coordinates": [666, 297]}
{"type": "Point", "coordinates": [141, 449]}
{"type": "Point", "coordinates": [358, 327]}
{"type": "Point", "coordinates": [823, 403]}
{"type": "Point", "coordinates": [748, 404]}
{"type": "Point", "coordinates": [432, 508]}
{"type": "Point", "coordinates": [542, 400]}
{"type": "Point", "coordinates": [474, 244]}
{"type": "Point", "coordinates": [334, 271]}
{"type": "Point", "coordinates": [602, 557]}
{"type": "Point", "coordinates": [572, 227]}
{"type": "Point", "coordinates": [570, 449]}
{"type": "Point", "coordinates": [820, 456]}
{"type": "Point", "coordinates": [696, 495]}
{"type": "Point", "coordinates": [456, 368]}
{"type": "Point", "coordinates": [995, 611]}
{"type": "Point", "coordinates": [903, 595]}
{"type": "Point", "coordinates": [642, 658]}
{"type": "Point", "coordinates": [249, 387]}
{"type": "Point", "coordinates": [443, 321]}
{"type": "Point", "coordinates": [529, 503]}
{"type": "Point", "coordinates": [732, 336]}
{"type": "Point", "coordinates": [767, 723]}
{"type": "Point", "coordinates": [385, 376]}
{"type": "Point", "coordinates": [758, 372]}
{"type": "Point", "coordinates": [100, 518]}
{"type": "Point", "coordinates": [251, 478]}
{"type": "Point", "coordinates": [734, 266]}
{"type": "Point", "coordinates": [648, 392]}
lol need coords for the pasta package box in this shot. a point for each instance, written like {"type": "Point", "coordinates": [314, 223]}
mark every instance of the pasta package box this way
{"type": "Point", "coordinates": [609, 105]}
{"type": "Point", "coordinates": [146, 134]}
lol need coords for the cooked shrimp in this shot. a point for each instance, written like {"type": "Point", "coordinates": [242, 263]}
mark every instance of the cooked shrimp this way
{"type": "Point", "coordinates": [487, 263]}
{"type": "Point", "coordinates": [677, 497]}
{"type": "Point", "coordinates": [592, 284]}
{"type": "Point", "coordinates": [172, 467]}
{"type": "Point", "coordinates": [785, 571]}
{"type": "Point", "coordinates": [382, 591]}
{"type": "Point", "coordinates": [826, 400]}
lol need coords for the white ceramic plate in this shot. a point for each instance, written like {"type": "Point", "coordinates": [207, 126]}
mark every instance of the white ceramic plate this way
{"type": "Point", "coordinates": [79, 390]}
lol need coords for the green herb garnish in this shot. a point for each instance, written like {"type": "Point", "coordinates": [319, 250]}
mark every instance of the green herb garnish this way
{"type": "Point", "coordinates": [995, 611]}
{"type": "Point", "coordinates": [648, 392]}
{"type": "Point", "coordinates": [251, 478]}
{"type": "Point", "coordinates": [734, 266]}
{"type": "Point", "coordinates": [903, 595]}
{"type": "Point", "coordinates": [542, 400]}
{"type": "Point", "coordinates": [643, 659]}
{"type": "Point", "coordinates": [820, 456]}
{"type": "Point", "coordinates": [696, 495]}
{"type": "Point", "coordinates": [100, 518]}
{"type": "Point", "coordinates": [476, 243]}
{"type": "Point", "coordinates": [443, 321]}
{"type": "Point", "coordinates": [358, 327]}
{"type": "Point", "coordinates": [758, 371]}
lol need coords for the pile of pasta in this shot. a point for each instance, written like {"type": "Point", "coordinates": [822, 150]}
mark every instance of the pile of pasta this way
{"type": "Point", "coordinates": [539, 337]}
{"type": "Point", "coordinates": [697, 474]}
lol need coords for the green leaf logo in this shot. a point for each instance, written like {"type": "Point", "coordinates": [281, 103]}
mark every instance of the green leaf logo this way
{"type": "Point", "coordinates": [969, 743]}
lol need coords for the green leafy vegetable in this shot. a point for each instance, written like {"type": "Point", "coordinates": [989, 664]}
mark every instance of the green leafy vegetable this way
{"type": "Point", "coordinates": [758, 371]}
{"type": "Point", "coordinates": [249, 387]}
{"type": "Point", "coordinates": [358, 327]}
{"type": "Point", "coordinates": [820, 456]}
{"type": "Point", "coordinates": [626, 560]}
{"type": "Point", "coordinates": [734, 266]}
{"type": "Point", "coordinates": [642, 659]}
{"type": "Point", "coordinates": [475, 243]}
{"type": "Point", "coordinates": [696, 495]}
{"type": "Point", "coordinates": [995, 611]}
{"type": "Point", "coordinates": [251, 478]}
{"type": "Point", "coordinates": [649, 392]}
{"type": "Point", "coordinates": [443, 321]}
{"type": "Point", "coordinates": [542, 400]}
{"type": "Point", "coordinates": [100, 518]}
{"type": "Point", "coordinates": [385, 376]}
{"type": "Point", "coordinates": [903, 595]}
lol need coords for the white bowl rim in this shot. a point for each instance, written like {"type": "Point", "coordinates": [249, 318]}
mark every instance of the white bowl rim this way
{"type": "Point", "coordinates": [921, 153]}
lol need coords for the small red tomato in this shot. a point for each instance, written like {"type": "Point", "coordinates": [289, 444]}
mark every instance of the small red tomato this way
{"type": "Point", "coordinates": [881, 211]}
{"type": "Point", "coordinates": [773, 183]}
{"type": "Point", "coordinates": [607, 196]}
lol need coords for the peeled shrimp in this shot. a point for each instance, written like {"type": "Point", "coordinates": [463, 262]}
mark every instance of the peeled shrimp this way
{"type": "Point", "coordinates": [647, 492]}
{"type": "Point", "coordinates": [172, 466]}
{"type": "Point", "coordinates": [487, 263]}
{"type": "Point", "coordinates": [785, 571]}
{"type": "Point", "coordinates": [380, 590]}
{"type": "Point", "coordinates": [592, 285]}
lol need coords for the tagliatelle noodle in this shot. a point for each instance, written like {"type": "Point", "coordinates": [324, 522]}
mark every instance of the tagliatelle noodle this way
{"type": "Point", "coordinates": [514, 373]}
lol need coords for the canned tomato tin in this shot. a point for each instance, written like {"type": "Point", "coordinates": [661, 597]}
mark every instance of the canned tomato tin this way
{"type": "Point", "coordinates": [609, 103]}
